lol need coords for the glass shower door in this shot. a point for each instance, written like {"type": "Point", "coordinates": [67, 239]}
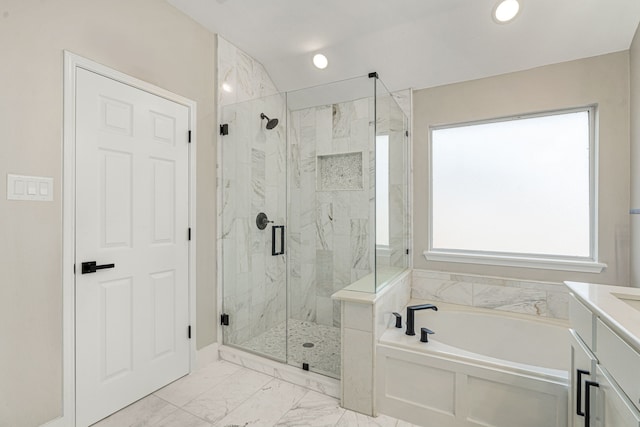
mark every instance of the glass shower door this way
{"type": "Point", "coordinates": [330, 214]}
{"type": "Point", "coordinates": [253, 220]}
{"type": "Point", "coordinates": [392, 192]}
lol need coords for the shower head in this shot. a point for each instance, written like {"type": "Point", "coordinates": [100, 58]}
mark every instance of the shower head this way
{"type": "Point", "coordinates": [271, 123]}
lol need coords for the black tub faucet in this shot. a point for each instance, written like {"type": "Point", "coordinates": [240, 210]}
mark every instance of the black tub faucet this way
{"type": "Point", "coordinates": [411, 315]}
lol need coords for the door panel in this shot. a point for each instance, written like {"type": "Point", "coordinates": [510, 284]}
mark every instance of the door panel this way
{"type": "Point", "coordinates": [254, 181]}
{"type": "Point", "coordinates": [116, 185]}
{"type": "Point", "coordinates": [116, 343]}
{"type": "Point", "coordinates": [132, 201]}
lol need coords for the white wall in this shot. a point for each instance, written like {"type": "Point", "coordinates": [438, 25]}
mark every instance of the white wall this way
{"type": "Point", "coordinates": [634, 59]}
{"type": "Point", "coordinates": [147, 39]}
{"type": "Point", "coordinates": [603, 80]}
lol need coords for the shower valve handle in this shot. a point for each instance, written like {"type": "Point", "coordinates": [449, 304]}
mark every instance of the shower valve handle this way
{"type": "Point", "coordinates": [262, 221]}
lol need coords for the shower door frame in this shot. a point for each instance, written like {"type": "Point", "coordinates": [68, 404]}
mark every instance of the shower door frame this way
{"type": "Point", "coordinates": [280, 217]}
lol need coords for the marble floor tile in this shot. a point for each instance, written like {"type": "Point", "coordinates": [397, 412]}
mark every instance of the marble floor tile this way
{"type": "Point", "coordinates": [191, 386]}
{"type": "Point", "coordinates": [237, 396]}
{"type": "Point", "coordinates": [181, 418]}
{"type": "Point", "coordinates": [145, 412]}
{"type": "Point", "coordinates": [266, 406]}
{"type": "Point", "coordinates": [219, 401]}
{"type": "Point", "coordinates": [354, 419]}
{"type": "Point", "coordinates": [313, 410]}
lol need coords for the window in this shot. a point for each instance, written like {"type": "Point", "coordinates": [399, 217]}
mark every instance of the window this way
{"type": "Point", "coordinates": [382, 190]}
{"type": "Point", "coordinates": [515, 191]}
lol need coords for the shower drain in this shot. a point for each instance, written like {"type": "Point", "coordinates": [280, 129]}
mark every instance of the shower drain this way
{"type": "Point", "coordinates": [308, 344]}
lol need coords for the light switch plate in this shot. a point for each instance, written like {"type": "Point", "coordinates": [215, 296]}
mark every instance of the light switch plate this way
{"type": "Point", "coordinates": [21, 187]}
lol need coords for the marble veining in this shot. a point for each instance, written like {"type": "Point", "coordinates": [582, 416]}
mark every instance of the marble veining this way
{"type": "Point", "coordinates": [224, 394]}
{"type": "Point", "coordinates": [544, 299]}
{"type": "Point", "coordinates": [322, 139]}
{"type": "Point", "coordinates": [244, 77]}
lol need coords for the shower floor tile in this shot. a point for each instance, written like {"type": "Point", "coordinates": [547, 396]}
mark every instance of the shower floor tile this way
{"type": "Point", "coordinates": [323, 356]}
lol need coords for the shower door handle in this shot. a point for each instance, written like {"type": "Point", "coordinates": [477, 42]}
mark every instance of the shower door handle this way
{"type": "Point", "coordinates": [274, 252]}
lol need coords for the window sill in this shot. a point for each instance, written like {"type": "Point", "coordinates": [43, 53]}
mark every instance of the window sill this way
{"type": "Point", "coordinates": [516, 261]}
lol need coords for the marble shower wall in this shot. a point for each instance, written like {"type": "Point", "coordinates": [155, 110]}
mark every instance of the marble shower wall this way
{"type": "Point", "coordinates": [244, 78]}
{"type": "Point", "coordinates": [330, 231]}
{"type": "Point", "coordinates": [544, 299]}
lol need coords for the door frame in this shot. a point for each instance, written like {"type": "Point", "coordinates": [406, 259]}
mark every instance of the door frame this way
{"type": "Point", "coordinates": [71, 63]}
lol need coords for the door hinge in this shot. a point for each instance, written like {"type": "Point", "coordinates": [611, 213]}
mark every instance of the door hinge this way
{"type": "Point", "coordinates": [189, 234]}
{"type": "Point", "coordinates": [189, 331]}
{"type": "Point", "coordinates": [224, 319]}
{"type": "Point", "coordinates": [189, 137]}
{"type": "Point", "coordinates": [74, 269]}
{"type": "Point", "coordinates": [407, 252]}
{"type": "Point", "coordinates": [224, 129]}
{"type": "Point", "coordinates": [406, 133]}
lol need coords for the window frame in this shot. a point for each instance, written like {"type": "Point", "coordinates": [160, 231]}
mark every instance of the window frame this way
{"type": "Point", "coordinates": [588, 264]}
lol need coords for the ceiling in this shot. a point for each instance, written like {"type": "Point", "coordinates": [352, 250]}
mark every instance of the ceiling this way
{"type": "Point", "coordinates": [413, 43]}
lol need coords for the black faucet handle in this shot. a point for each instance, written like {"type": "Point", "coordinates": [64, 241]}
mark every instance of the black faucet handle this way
{"type": "Point", "coordinates": [424, 334]}
{"type": "Point", "coordinates": [398, 319]}
{"type": "Point", "coordinates": [422, 307]}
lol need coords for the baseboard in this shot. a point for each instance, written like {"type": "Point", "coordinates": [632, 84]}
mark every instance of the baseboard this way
{"type": "Point", "coordinates": [57, 422]}
{"type": "Point", "coordinates": [206, 355]}
{"type": "Point", "coordinates": [291, 374]}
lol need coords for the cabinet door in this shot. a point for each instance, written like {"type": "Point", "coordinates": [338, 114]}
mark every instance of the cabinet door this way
{"type": "Point", "coordinates": [583, 365]}
{"type": "Point", "coordinates": [611, 407]}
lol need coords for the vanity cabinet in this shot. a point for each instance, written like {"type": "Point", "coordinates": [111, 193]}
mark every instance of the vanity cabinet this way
{"type": "Point", "coordinates": [583, 364]}
{"type": "Point", "coordinates": [605, 373]}
{"type": "Point", "coordinates": [611, 407]}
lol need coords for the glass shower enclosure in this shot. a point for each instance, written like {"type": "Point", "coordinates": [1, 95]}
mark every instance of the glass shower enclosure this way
{"type": "Point", "coordinates": [314, 192]}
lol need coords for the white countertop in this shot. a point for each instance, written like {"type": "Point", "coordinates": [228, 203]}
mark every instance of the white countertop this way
{"type": "Point", "coordinates": [619, 315]}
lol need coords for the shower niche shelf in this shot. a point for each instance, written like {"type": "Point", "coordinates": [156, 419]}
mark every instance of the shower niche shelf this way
{"type": "Point", "coordinates": [340, 171]}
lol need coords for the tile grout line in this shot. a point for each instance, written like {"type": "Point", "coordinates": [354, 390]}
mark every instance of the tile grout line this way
{"type": "Point", "coordinates": [178, 408]}
{"type": "Point", "coordinates": [292, 407]}
{"type": "Point", "coordinates": [341, 416]}
{"type": "Point", "coordinates": [249, 397]}
{"type": "Point", "coordinates": [206, 391]}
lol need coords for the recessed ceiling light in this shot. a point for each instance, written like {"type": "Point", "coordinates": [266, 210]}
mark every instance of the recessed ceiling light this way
{"type": "Point", "coordinates": [320, 61]}
{"type": "Point", "coordinates": [227, 87]}
{"type": "Point", "coordinates": [506, 10]}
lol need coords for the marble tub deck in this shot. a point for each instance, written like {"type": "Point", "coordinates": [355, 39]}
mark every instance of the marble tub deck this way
{"type": "Point", "coordinates": [223, 394]}
{"type": "Point", "coordinates": [323, 357]}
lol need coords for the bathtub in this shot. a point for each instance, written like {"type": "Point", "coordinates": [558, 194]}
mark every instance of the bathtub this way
{"type": "Point", "coordinates": [480, 368]}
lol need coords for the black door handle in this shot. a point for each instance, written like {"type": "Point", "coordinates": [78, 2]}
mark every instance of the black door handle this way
{"type": "Point", "coordinates": [91, 267]}
{"type": "Point", "coordinates": [580, 373]}
{"type": "Point", "coordinates": [587, 401]}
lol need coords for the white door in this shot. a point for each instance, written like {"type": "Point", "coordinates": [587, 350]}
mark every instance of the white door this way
{"type": "Point", "coordinates": [132, 197]}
